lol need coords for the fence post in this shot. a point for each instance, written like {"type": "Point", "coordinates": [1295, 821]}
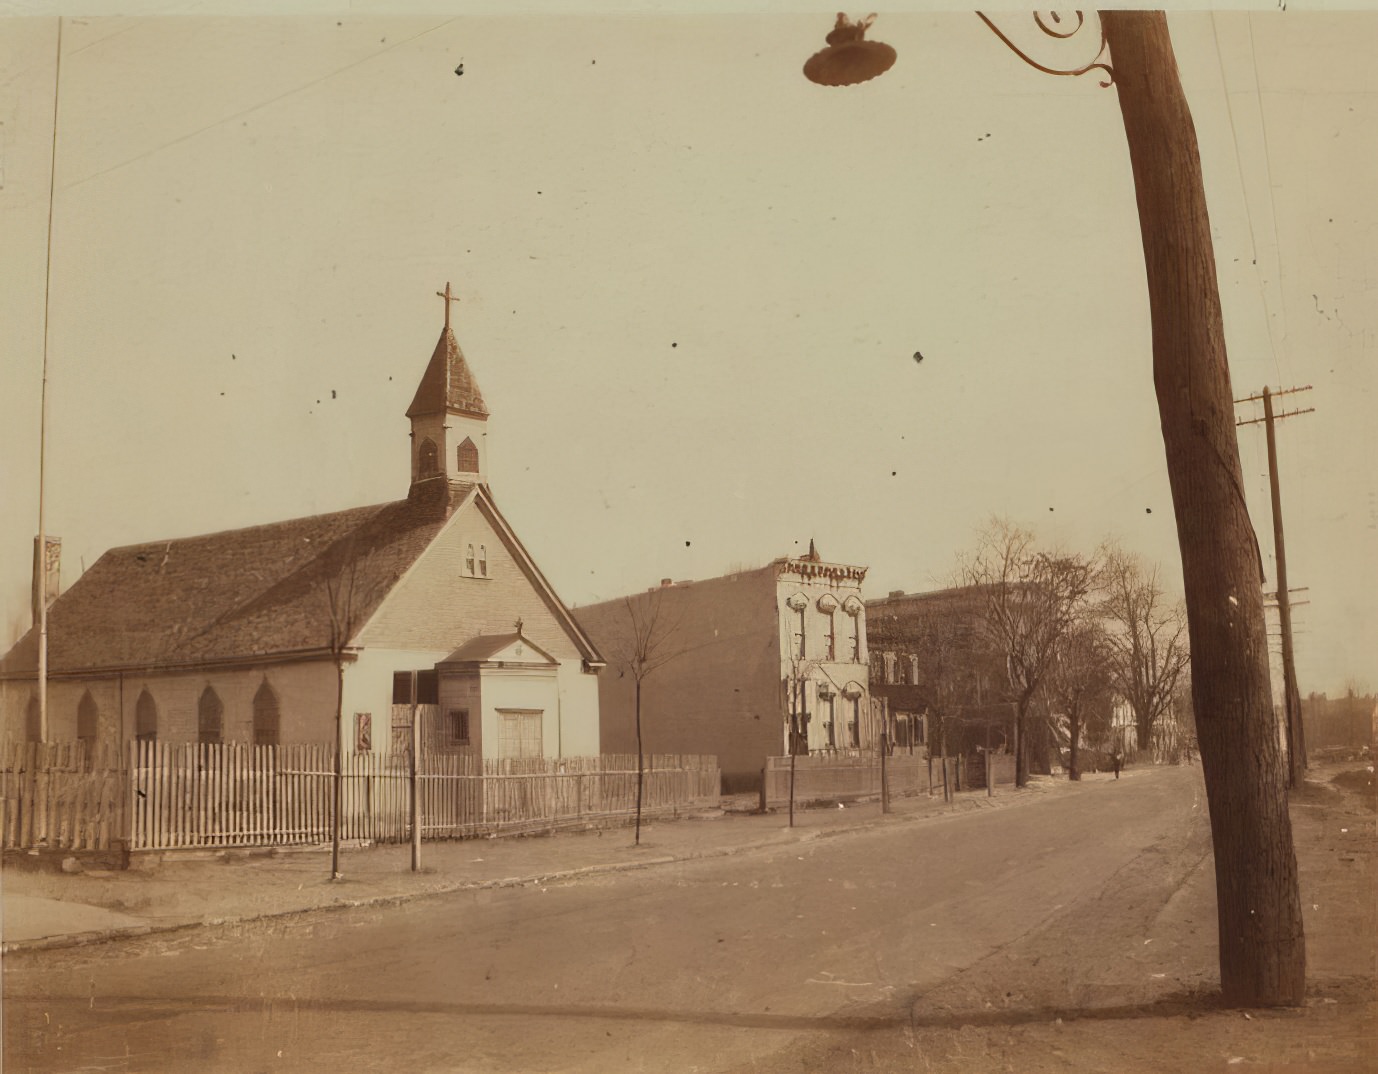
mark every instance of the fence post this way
{"type": "Point", "coordinates": [415, 792]}
{"type": "Point", "coordinates": [884, 740]}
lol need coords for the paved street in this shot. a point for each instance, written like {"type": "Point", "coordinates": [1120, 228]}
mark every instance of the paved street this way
{"type": "Point", "coordinates": [695, 966]}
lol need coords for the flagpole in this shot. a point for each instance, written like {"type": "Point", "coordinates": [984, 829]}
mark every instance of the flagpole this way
{"type": "Point", "coordinates": [42, 551]}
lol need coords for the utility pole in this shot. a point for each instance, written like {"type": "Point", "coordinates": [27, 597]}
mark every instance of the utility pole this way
{"type": "Point", "coordinates": [1262, 941]}
{"type": "Point", "coordinates": [41, 549]}
{"type": "Point", "coordinates": [1296, 738]}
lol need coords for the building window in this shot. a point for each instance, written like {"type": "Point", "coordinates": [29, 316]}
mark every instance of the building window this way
{"type": "Point", "coordinates": [210, 717]}
{"type": "Point", "coordinates": [829, 723]}
{"type": "Point", "coordinates": [451, 730]}
{"type": "Point", "coordinates": [830, 637]}
{"type": "Point", "coordinates": [854, 609]}
{"type": "Point", "coordinates": [476, 561]}
{"type": "Point", "coordinates": [520, 733]}
{"type": "Point", "coordinates": [799, 722]}
{"type": "Point", "coordinates": [466, 457]}
{"type": "Point", "coordinates": [889, 659]}
{"type": "Point", "coordinates": [33, 722]}
{"type": "Point", "coordinates": [88, 717]}
{"type": "Point", "coordinates": [267, 718]}
{"type": "Point", "coordinates": [428, 462]}
{"type": "Point", "coordinates": [146, 717]}
{"type": "Point", "coordinates": [854, 724]}
{"type": "Point", "coordinates": [799, 639]}
{"type": "Point", "coordinates": [427, 687]}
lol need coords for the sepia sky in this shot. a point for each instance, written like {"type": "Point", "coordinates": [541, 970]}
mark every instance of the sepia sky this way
{"type": "Point", "coordinates": [692, 288]}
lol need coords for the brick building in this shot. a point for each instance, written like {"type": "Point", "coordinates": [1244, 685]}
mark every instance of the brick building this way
{"type": "Point", "coordinates": [739, 655]}
{"type": "Point", "coordinates": [937, 670]}
{"type": "Point", "coordinates": [228, 636]}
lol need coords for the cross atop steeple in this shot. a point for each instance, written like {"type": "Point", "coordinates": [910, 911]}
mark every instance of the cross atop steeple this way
{"type": "Point", "coordinates": [449, 298]}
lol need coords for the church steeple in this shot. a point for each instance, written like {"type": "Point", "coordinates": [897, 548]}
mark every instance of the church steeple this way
{"type": "Point", "coordinates": [449, 419]}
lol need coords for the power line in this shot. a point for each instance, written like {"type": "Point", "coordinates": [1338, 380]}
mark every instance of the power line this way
{"type": "Point", "coordinates": [257, 107]}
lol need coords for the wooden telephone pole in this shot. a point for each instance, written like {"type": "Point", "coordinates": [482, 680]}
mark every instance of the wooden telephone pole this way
{"type": "Point", "coordinates": [1296, 736]}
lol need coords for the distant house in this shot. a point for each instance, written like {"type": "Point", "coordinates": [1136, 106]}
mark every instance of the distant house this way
{"type": "Point", "coordinates": [1339, 724]}
{"type": "Point", "coordinates": [227, 636]}
{"type": "Point", "coordinates": [756, 663]}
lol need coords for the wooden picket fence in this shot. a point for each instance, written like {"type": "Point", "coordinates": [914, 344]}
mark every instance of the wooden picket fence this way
{"type": "Point", "coordinates": [62, 795]}
{"type": "Point", "coordinates": [162, 796]}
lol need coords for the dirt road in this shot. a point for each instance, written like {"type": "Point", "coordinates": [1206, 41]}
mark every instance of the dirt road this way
{"type": "Point", "coordinates": [953, 945]}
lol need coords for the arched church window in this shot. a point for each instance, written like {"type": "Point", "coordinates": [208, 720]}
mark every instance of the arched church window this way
{"type": "Point", "coordinates": [428, 460]}
{"type": "Point", "coordinates": [483, 561]}
{"type": "Point", "coordinates": [466, 457]}
{"type": "Point", "coordinates": [210, 717]}
{"type": "Point", "coordinates": [267, 718]}
{"type": "Point", "coordinates": [469, 560]}
{"type": "Point", "coordinates": [88, 716]}
{"type": "Point", "coordinates": [146, 717]}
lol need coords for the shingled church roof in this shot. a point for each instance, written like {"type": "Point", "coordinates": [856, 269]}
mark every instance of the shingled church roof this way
{"type": "Point", "coordinates": [235, 594]}
{"type": "Point", "coordinates": [448, 383]}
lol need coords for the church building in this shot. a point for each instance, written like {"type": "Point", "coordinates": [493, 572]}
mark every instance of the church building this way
{"type": "Point", "coordinates": [427, 604]}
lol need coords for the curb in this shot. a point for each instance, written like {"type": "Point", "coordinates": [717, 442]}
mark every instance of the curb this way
{"type": "Point", "coordinates": [785, 838]}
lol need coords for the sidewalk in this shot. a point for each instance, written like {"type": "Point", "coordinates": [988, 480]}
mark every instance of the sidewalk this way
{"type": "Point", "coordinates": [193, 888]}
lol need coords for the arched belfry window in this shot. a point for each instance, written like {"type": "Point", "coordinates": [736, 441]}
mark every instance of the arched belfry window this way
{"type": "Point", "coordinates": [267, 718]}
{"type": "Point", "coordinates": [146, 717]}
{"type": "Point", "coordinates": [428, 461]}
{"type": "Point", "coordinates": [33, 722]}
{"type": "Point", "coordinates": [210, 717]}
{"type": "Point", "coordinates": [88, 717]}
{"type": "Point", "coordinates": [466, 457]}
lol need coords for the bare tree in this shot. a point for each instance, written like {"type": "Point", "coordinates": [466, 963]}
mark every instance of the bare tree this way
{"type": "Point", "coordinates": [1147, 637]}
{"type": "Point", "coordinates": [1080, 688]}
{"type": "Point", "coordinates": [1031, 599]}
{"type": "Point", "coordinates": [648, 643]}
{"type": "Point", "coordinates": [1179, 743]}
{"type": "Point", "coordinates": [340, 589]}
{"type": "Point", "coordinates": [798, 734]}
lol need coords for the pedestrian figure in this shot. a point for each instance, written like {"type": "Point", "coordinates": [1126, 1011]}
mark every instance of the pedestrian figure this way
{"type": "Point", "coordinates": [1115, 762]}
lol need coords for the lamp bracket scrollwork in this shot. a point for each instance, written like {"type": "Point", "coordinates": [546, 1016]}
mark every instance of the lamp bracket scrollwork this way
{"type": "Point", "coordinates": [1051, 24]}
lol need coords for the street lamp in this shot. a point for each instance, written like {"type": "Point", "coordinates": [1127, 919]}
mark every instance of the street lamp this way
{"type": "Point", "coordinates": [849, 59]}
{"type": "Point", "coordinates": [1262, 947]}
